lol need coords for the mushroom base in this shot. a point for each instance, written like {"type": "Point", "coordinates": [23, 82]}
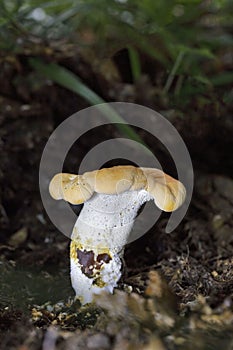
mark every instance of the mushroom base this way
{"type": "Point", "coordinates": [93, 271]}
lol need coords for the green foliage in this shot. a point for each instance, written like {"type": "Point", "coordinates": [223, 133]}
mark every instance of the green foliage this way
{"type": "Point", "coordinates": [134, 63]}
{"type": "Point", "coordinates": [185, 37]}
{"type": "Point", "coordinates": [70, 81]}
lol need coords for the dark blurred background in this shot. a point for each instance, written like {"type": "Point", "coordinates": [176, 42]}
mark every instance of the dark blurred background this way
{"type": "Point", "coordinates": [58, 57]}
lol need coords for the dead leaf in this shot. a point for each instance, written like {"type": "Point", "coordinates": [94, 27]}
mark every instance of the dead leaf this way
{"type": "Point", "coordinates": [18, 237]}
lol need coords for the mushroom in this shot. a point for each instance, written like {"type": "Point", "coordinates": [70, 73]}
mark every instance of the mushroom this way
{"type": "Point", "coordinates": [112, 198]}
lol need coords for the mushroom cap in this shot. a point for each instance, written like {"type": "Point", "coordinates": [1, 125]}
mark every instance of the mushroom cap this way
{"type": "Point", "coordinates": [70, 187]}
{"type": "Point", "coordinates": [167, 192]}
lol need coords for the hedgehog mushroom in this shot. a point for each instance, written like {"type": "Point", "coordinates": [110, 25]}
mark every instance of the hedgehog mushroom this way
{"type": "Point", "coordinates": [112, 198]}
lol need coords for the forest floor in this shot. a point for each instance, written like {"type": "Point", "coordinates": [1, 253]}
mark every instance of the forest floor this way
{"type": "Point", "coordinates": [177, 289]}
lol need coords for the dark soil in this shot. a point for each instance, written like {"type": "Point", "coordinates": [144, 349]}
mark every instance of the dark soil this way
{"type": "Point", "coordinates": [176, 289]}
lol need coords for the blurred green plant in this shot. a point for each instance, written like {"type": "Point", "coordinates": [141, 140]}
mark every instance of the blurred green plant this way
{"type": "Point", "coordinates": [189, 39]}
{"type": "Point", "coordinates": [67, 79]}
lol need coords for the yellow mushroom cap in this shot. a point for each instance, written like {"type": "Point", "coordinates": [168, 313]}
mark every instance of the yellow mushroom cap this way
{"type": "Point", "coordinates": [70, 187]}
{"type": "Point", "coordinates": [167, 192]}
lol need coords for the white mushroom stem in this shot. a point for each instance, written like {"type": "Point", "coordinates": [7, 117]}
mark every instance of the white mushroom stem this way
{"type": "Point", "coordinates": [98, 239]}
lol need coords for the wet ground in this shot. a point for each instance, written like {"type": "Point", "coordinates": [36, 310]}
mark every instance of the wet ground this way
{"type": "Point", "coordinates": [176, 289]}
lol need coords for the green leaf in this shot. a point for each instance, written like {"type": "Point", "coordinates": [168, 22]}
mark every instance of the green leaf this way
{"type": "Point", "coordinates": [202, 79]}
{"type": "Point", "coordinates": [134, 63]}
{"type": "Point", "coordinates": [222, 79]}
{"type": "Point", "coordinates": [69, 80]}
{"type": "Point", "coordinates": [203, 51]}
